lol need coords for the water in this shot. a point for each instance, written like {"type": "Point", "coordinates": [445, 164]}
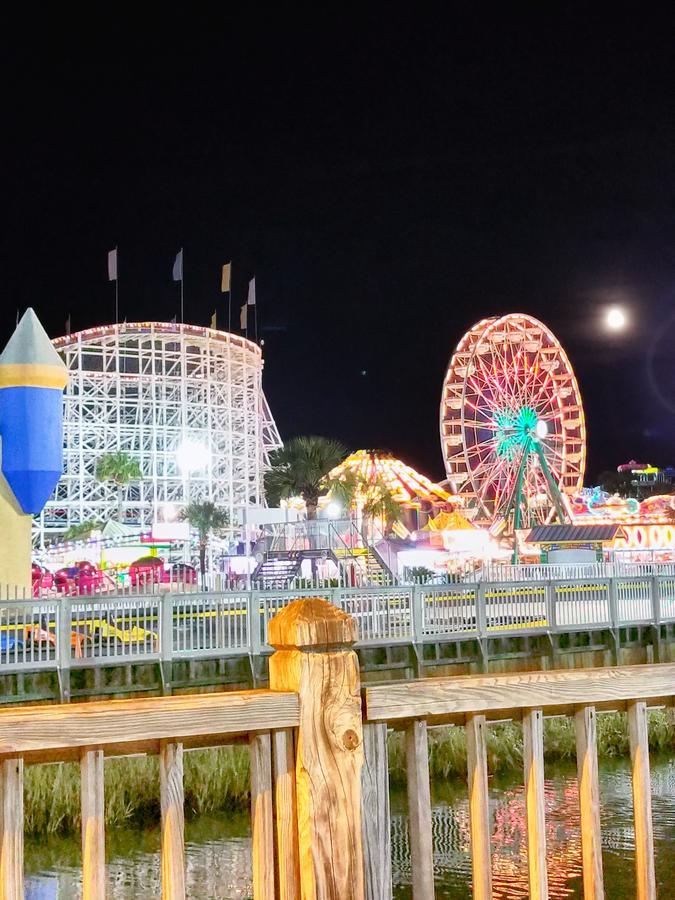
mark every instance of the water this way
{"type": "Point", "coordinates": [218, 848]}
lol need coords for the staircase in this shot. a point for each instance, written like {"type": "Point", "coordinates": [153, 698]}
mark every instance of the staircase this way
{"type": "Point", "coordinates": [376, 573]}
{"type": "Point", "coordinates": [277, 571]}
{"type": "Point", "coordinates": [368, 566]}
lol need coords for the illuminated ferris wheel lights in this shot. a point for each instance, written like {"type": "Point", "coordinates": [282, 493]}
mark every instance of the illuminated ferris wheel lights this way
{"type": "Point", "coordinates": [511, 422]}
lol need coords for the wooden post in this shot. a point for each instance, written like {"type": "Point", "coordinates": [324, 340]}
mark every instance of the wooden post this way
{"type": "Point", "coordinates": [11, 850]}
{"type": "Point", "coordinates": [479, 813]}
{"type": "Point", "coordinates": [589, 802]}
{"type": "Point", "coordinates": [642, 801]}
{"type": "Point", "coordinates": [262, 822]}
{"type": "Point", "coordinates": [375, 813]}
{"type": "Point", "coordinates": [93, 824]}
{"type": "Point", "coordinates": [285, 815]}
{"type": "Point", "coordinates": [172, 803]}
{"type": "Point", "coordinates": [533, 759]}
{"type": "Point", "coordinates": [313, 657]}
{"type": "Point", "coordinates": [419, 810]}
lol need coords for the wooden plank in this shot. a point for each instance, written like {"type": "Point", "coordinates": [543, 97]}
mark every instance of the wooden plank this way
{"type": "Point", "coordinates": [285, 815]}
{"type": "Point", "coordinates": [419, 810]}
{"type": "Point", "coordinates": [533, 759]}
{"type": "Point", "coordinates": [479, 812]}
{"type": "Point", "coordinates": [110, 722]}
{"type": "Point", "coordinates": [314, 657]}
{"type": "Point", "coordinates": [172, 802]}
{"type": "Point", "coordinates": [528, 690]}
{"type": "Point", "coordinates": [11, 822]}
{"type": "Point", "coordinates": [589, 802]}
{"type": "Point", "coordinates": [642, 801]}
{"type": "Point", "coordinates": [93, 824]}
{"type": "Point", "coordinates": [262, 820]}
{"type": "Point", "coordinates": [375, 817]}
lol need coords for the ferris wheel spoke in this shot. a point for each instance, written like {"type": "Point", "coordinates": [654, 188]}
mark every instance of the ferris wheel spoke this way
{"type": "Point", "coordinates": [487, 466]}
{"type": "Point", "coordinates": [479, 424]}
{"type": "Point", "coordinates": [491, 386]}
{"type": "Point", "coordinates": [485, 399]}
{"type": "Point", "coordinates": [555, 452]}
{"type": "Point", "coordinates": [483, 447]}
{"type": "Point", "coordinates": [501, 472]}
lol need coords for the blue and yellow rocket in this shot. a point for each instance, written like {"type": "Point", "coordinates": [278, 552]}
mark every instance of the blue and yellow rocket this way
{"type": "Point", "coordinates": [32, 379]}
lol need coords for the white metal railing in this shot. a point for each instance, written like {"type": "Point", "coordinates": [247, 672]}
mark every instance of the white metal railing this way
{"type": "Point", "coordinates": [100, 630]}
{"type": "Point", "coordinates": [449, 610]}
{"type": "Point", "coordinates": [554, 572]}
{"type": "Point", "coordinates": [112, 629]}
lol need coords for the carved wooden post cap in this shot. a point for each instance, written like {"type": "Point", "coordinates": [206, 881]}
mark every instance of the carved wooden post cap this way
{"type": "Point", "coordinates": [311, 622]}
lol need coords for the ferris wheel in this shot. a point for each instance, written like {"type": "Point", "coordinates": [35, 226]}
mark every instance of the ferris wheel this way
{"type": "Point", "coordinates": [512, 422]}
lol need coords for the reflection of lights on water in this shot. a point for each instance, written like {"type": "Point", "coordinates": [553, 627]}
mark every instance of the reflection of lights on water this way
{"type": "Point", "coordinates": [452, 845]}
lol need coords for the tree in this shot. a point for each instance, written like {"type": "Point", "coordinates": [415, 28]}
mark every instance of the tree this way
{"type": "Point", "coordinates": [300, 469]}
{"type": "Point", "coordinates": [119, 469]}
{"type": "Point", "coordinates": [207, 519]}
{"type": "Point", "coordinates": [344, 491]}
{"type": "Point", "coordinates": [380, 503]}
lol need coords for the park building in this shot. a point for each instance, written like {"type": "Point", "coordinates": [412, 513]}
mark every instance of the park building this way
{"type": "Point", "coordinates": [184, 401]}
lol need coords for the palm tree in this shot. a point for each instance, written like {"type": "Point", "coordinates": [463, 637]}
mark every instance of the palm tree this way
{"type": "Point", "coordinates": [207, 519]}
{"type": "Point", "coordinates": [380, 503]}
{"type": "Point", "coordinates": [345, 490]}
{"type": "Point", "coordinates": [81, 531]}
{"type": "Point", "coordinates": [119, 469]}
{"type": "Point", "coordinates": [300, 469]}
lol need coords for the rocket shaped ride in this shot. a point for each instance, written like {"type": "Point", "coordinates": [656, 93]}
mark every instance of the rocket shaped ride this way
{"type": "Point", "coordinates": [32, 379]}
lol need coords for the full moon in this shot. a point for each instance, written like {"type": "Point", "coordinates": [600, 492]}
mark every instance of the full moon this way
{"type": "Point", "coordinates": [616, 319]}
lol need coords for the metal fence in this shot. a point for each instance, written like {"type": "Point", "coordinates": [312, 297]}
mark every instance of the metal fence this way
{"type": "Point", "coordinates": [71, 632]}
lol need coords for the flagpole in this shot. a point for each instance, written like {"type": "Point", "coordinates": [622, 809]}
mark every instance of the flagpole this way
{"type": "Point", "coordinates": [182, 277]}
{"type": "Point", "coordinates": [229, 302]}
{"type": "Point", "coordinates": [117, 288]}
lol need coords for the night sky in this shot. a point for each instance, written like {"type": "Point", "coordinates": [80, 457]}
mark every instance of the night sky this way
{"type": "Point", "coordinates": [388, 181]}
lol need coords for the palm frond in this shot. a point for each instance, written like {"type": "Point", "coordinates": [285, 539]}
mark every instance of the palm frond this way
{"type": "Point", "coordinates": [120, 468]}
{"type": "Point", "coordinates": [206, 518]}
{"type": "Point", "coordinates": [300, 467]}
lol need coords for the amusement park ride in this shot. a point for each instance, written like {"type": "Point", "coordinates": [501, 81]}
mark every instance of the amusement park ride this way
{"type": "Point", "coordinates": [512, 424]}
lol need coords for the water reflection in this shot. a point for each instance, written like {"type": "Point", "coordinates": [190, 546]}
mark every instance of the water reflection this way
{"type": "Point", "coordinates": [219, 848]}
{"type": "Point", "coordinates": [218, 862]}
{"type": "Point", "coordinates": [450, 823]}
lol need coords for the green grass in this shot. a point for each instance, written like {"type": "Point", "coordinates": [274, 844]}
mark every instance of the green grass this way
{"type": "Point", "coordinates": [217, 780]}
{"type": "Point", "coordinates": [214, 780]}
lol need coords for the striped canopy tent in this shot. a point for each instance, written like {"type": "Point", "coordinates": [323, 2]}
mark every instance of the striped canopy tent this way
{"type": "Point", "coordinates": [414, 492]}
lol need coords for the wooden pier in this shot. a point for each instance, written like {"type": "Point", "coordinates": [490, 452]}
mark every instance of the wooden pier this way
{"type": "Point", "coordinates": [319, 769]}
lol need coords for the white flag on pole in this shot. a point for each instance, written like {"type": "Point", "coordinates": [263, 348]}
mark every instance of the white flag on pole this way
{"type": "Point", "coordinates": [225, 278]}
{"type": "Point", "coordinates": [112, 265]}
{"type": "Point", "coordinates": [251, 292]}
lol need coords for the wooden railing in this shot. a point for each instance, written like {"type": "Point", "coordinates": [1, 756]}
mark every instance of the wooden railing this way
{"type": "Point", "coordinates": [90, 732]}
{"type": "Point", "coordinates": [472, 702]}
{"type": "Point", "coordinates": [319, 770]}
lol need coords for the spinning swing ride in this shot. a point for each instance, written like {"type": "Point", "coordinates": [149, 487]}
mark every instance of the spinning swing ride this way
{"type": "Point", "coordinates": [512, 423]}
